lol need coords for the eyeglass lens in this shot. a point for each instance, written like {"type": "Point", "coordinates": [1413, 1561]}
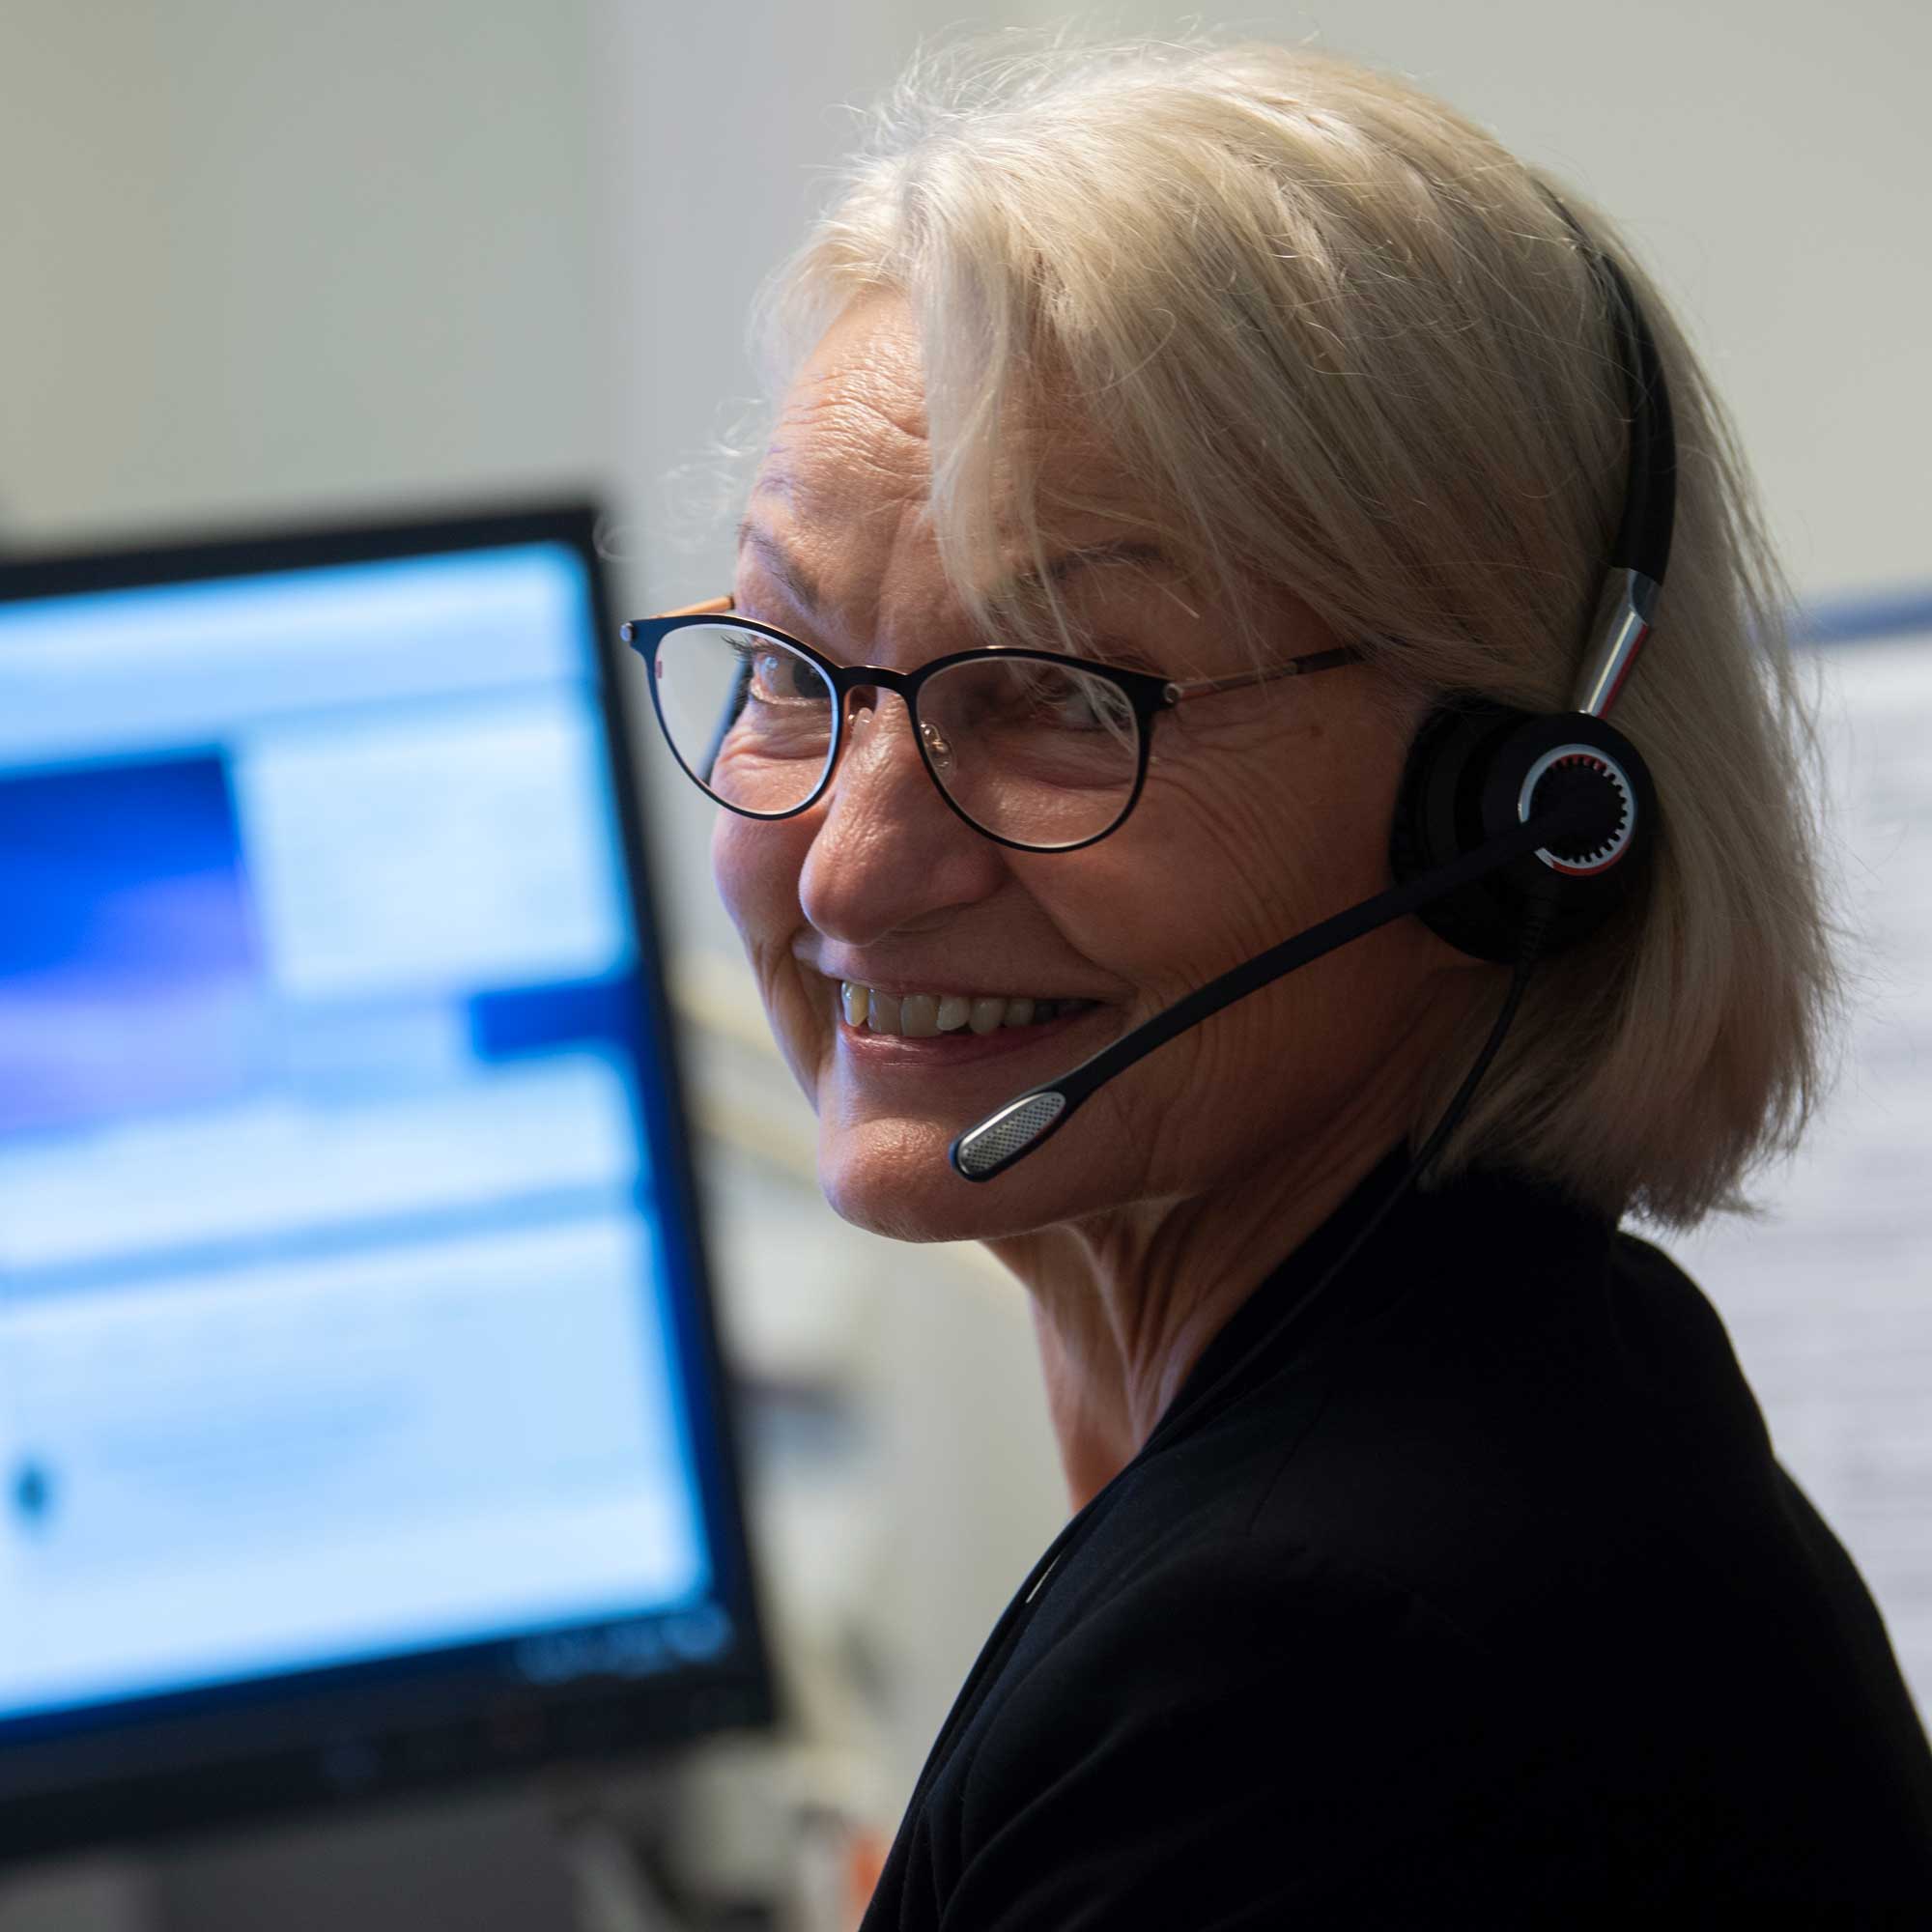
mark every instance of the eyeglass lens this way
{"type": "Point", "coordinates": [1033, 751]}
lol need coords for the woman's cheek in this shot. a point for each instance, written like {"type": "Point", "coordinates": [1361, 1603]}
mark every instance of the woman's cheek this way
{"type": "Point", "coordinates": [757, 868]}
{"type": "Point", "coordinates": [757, 865]}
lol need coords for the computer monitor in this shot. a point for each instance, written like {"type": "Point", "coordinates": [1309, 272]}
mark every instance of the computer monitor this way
{"type": "Point", "coordinates": [361, 1421]}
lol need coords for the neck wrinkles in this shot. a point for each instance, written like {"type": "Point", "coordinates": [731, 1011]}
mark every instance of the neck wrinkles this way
{"type": "Point", "coordinates": [1125, 1309]}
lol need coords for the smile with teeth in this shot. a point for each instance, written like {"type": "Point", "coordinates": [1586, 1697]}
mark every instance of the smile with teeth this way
{"type": "Point", "coordinates": [925, 1015]}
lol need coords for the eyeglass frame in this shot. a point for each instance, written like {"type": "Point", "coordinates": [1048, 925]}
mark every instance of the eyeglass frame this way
{"type": "Point", "coordinates": [1148, 695]}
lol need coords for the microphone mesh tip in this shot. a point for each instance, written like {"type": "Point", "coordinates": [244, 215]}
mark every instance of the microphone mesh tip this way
{"type": "Point", "coordinates": [984, 1150]}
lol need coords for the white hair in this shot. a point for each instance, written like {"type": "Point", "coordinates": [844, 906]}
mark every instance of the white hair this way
{"type": "Point", "coordinates": [1348, 345]}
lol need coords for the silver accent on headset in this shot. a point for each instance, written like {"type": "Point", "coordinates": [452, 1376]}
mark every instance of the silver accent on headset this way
{"type": "Point", "coordinates": [1600, 858]}
{"type": "Point", "coordinates": [999, 1136]}
{"type": "Point", "coordinates": [1625, 608]}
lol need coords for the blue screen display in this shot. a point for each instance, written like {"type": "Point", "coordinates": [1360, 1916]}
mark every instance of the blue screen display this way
{"type": "Point", "coordinates": [336, 1320]}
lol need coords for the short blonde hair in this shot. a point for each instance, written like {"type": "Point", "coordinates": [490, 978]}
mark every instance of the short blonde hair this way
{"type": "Point", "coordinates": [1349, 346]}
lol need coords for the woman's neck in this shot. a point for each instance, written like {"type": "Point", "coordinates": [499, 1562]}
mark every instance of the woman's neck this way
{"type": "Point", "coordinates": [1125, 1305]}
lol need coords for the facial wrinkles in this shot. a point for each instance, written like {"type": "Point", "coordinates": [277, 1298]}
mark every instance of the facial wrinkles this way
{"type": "Point", "coordinates": [1209, 801]}
{"type": "Point", "coordinates": [849, 467]}
{"type": "Point", "coordinates": [850, 459]}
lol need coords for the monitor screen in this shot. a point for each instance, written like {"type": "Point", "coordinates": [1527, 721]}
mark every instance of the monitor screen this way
{"type": "Point", "coordinates": [360, 1421]}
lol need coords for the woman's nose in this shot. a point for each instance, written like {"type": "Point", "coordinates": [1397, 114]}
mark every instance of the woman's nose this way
{"type": "Point", "coordinates": [889, 851]}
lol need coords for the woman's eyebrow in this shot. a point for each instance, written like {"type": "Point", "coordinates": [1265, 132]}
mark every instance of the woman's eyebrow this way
{"type": "Point", "coordinates": [1138, 552]}
{"type": "Point", "coordinates": [800, 585]}
{"type": "Point", "coordinates": [793, 577]}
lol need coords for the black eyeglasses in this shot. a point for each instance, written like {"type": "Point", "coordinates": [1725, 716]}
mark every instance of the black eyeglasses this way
{"type": "Point", "coordinates": [1037, 751]}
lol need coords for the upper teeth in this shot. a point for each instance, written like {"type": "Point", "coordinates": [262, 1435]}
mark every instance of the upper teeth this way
{"type": "Point", "coordinates": [920, 1015]}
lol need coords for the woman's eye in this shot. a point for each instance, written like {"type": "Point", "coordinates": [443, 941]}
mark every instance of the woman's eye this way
{"type": "Point", "coordinates": [1073, 706]}
{"type": "Point", "coordinates": [778, 677]}
{"type": "Point", "coordinates": [1078, 703]}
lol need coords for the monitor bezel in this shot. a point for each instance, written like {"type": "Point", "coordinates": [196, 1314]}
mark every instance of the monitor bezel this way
{"type": "Point", "coordinates": [211, 1757]}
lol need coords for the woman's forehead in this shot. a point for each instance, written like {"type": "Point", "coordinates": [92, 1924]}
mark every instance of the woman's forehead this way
{"type": "Point", "coordinates": [854, 414]}
{"type": "Point", "coordinates": [817, 579]}
{"type": "Point", "coordinates": [851, 450]}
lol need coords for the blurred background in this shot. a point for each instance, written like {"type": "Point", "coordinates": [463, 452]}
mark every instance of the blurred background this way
{"type": "Point", "coordinates": [267, 263]}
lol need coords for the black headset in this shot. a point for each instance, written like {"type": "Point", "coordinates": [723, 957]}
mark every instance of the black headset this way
{"type": "Point", "coordinates": [1476, 767]}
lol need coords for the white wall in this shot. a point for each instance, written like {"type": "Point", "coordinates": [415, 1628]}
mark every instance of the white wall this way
{"type": "Point", "coordinates": [260, 258]}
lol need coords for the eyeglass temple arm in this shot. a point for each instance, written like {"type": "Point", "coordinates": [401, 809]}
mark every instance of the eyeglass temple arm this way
{"type": "Point", "coordinates": [711, 606]}
{"type": "Point", "coordinates": [1312, 660]}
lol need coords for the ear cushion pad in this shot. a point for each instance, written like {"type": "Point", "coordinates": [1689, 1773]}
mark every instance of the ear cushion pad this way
{"type": "Point", "coordinates": [1465, 771]}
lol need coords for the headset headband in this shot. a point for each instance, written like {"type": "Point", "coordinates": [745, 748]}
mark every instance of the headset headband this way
{"type": "Point", "coordinates": [1640, 552]}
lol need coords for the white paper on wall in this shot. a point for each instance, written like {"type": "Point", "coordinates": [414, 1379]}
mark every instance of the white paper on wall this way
{"type": "Point", "coordinates": [1829, 1297]}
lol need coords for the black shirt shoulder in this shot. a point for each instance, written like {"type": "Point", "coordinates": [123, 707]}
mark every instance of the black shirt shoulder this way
{"type": "Point", "coordinates": [1477, 1595]}
{"type": "Point", "coordinates": [1247, 1735]}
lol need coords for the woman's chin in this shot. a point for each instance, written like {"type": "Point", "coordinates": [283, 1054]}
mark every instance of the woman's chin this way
{"type": "Point", "coordinates": [892, 1178]}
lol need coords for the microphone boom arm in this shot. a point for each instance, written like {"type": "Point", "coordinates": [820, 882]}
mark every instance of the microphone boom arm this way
{"type": "Point", "coordinates": [991, 1147]}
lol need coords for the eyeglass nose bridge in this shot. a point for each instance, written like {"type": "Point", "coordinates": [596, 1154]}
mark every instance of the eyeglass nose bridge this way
{"type": "Point", "coordinates": [851, 680]}
{"type": "Point", "coordinates": [859, 692]}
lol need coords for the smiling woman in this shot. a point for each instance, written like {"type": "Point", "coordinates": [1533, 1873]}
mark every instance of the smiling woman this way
{"type": "Point", "coordinates": [1119, 392]}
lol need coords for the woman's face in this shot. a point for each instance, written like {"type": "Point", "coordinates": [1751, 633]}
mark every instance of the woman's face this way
{"type": "Point", "coordinates": [1265, 809]}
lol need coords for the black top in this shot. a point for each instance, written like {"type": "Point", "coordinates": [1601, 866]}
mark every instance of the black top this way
{"type": "Point", "coordinates": [1478, 1597]}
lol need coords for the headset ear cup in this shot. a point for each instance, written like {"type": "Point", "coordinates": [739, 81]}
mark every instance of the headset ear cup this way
{"type": "Point", "coordinates": [1545, 755]}
{"type": "Point", "coordinates": [1438, 817]}
{"type": "Point", "coordinates": [1467, 771]}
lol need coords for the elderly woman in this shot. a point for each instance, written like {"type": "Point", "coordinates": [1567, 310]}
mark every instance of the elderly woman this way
{"type": "Point", "coordinates": [1430, 1562]}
